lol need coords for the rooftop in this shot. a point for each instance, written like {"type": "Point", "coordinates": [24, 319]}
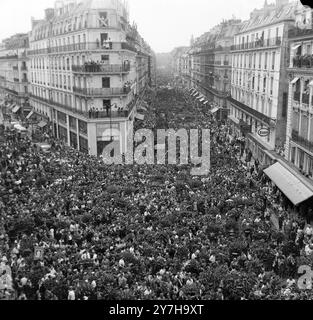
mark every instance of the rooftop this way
{"type": "Point", "coordinates": [270, 14]}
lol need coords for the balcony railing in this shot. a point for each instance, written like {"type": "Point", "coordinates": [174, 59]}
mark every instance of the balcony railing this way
{"type": "Point", "coordinates": [297, 32]}
{"type": "Point", "coordinates": [127, 46]}
{"type": "Point", "coordinates": [304, 61]}
{"type": "Point", "coordinates": [250, 110]}
{"type": "Point", "coordinates": [85, 46]}
{"type": "Point", "coordinates": [101, 68]}
{"type": "Point", "coordinates": [302, 141]}
{"type": "Point", "coordinates": [258, 44]}
{"type": "Point", "coordinates": [102, 92]}
{"type": "Point", "coordinates": [9, 57]}
{"type": "Point", "coordinates": [91, 114]}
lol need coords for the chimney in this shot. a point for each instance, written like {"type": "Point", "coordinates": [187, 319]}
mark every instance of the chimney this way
{"type": "Point", "coordinates": [49, 13]}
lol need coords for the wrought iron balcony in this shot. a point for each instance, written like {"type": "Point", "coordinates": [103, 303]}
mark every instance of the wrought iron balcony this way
{"type": "Point", "coordinates": [107, 45]}
{"type": "Point", "coordinates": [102, 92]}
{"type": "Point", "coordinates": [91, 114]}
{"type": "Point", "coordinates": [9, 57]}
{"type": "Point", "coordinates": [272, 42]}
{"type": "Point", "coordinates": [297, 32]}
{"type": "Point", "coordinates": [304, 61]}
{"type": "Point", "coordinates": [101, 68]}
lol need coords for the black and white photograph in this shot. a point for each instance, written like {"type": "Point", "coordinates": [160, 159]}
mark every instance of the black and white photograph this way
{"type": "Point", "coordinates": [156, 150]}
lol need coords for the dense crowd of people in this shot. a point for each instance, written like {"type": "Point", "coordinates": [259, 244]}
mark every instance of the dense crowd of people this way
{"type": "Point", "coordinates": [74, 228]}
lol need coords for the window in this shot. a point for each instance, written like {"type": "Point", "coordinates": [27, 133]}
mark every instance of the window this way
{"type": "Point", "coordinates": [264, 84]}
{"type": "Point", "coordinates": [272, 84]}
{"type": "Point", "coordinates": [105, 57]}
{"type": "Point", "coordinates": [106, 82]}
{"type": "Point", "coordinates": [285, 105]}
{"type": "Point", "coordinates": [103, 19]}
{"type": "Point", "coordinates": [265, 61]}
{"type": "Point", "coordinates": [103, 37]}
{"type": "Point", "coordinates": [273, 60]}
{"type": "Point", "coordinates": [106, 103]}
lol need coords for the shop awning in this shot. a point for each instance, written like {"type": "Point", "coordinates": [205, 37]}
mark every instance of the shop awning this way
{"type": "Point", "coordinates": [289, 184]}
{"type": "Point", "coordinates": [142, 108]}
{"type": "Point", "coordinates": [30, 114]}
{"type": "Point", "coordinates": [215, 109]}
{"type": "Point", "coordinates": [42, 124]}
{"type": "Point", "coordinates": [296, 47]}
{"type": "Point", "coordinates": [140, 116]}
{"type": "Point", "coordinates": [294, 80]}
{"type": "Point", "coordinates": [16, 109]}
{"type": "Point", "coordinates": [205, 102]}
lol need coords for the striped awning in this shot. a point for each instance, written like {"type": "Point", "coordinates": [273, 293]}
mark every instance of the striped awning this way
{"type": "Point", "coordinates": [294, 80]}
{"type": "Point", "coordinates": [289, 184]}
{"type": "Point", "coordinates": [140, 116]}
{"type": "Point", "coordinates": [42, 124]}
{"type": "Point", "coordinates": [215, 109]}
{"type": "Point", "coordinates": [16, 109]}
{"type": "Point", "coordinates": [30, 114]}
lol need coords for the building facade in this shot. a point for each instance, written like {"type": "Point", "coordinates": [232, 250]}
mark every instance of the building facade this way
{"type": "Point", "coordinates": [211, 64]}
{"type": "Point", "coordinates": [179, 64]}
{"type": "Point", "coordinates": [88, 66]}
{"type": "Point", "coordinates": [299, 140]}
{"type": "Point", "coordinates": [259, 87]}
{"type": "Point", "coordinates": [14, 84]}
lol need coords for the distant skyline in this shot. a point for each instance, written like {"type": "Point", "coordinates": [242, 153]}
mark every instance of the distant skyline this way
{"type": "Point", "coordinates": [164, 24]}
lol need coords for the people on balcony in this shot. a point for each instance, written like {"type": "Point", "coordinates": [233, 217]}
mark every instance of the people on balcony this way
{"type": "Point", "coordinates": [300, 61]}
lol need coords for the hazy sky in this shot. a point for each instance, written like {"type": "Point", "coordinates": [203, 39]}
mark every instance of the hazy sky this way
{"type": "Point", "coordinates": [164, 24]}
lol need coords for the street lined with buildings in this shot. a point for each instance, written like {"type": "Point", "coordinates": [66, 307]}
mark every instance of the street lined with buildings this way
{"type": "Point", "coordinates": [73, 227]}
{"type": "Point", "coordinates": [81, 70]}
{"type": "Point", "coordinates": [258, 77]}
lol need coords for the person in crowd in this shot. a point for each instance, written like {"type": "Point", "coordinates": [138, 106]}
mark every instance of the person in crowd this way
{"type": "Point", "coordinates": [144, 231]}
